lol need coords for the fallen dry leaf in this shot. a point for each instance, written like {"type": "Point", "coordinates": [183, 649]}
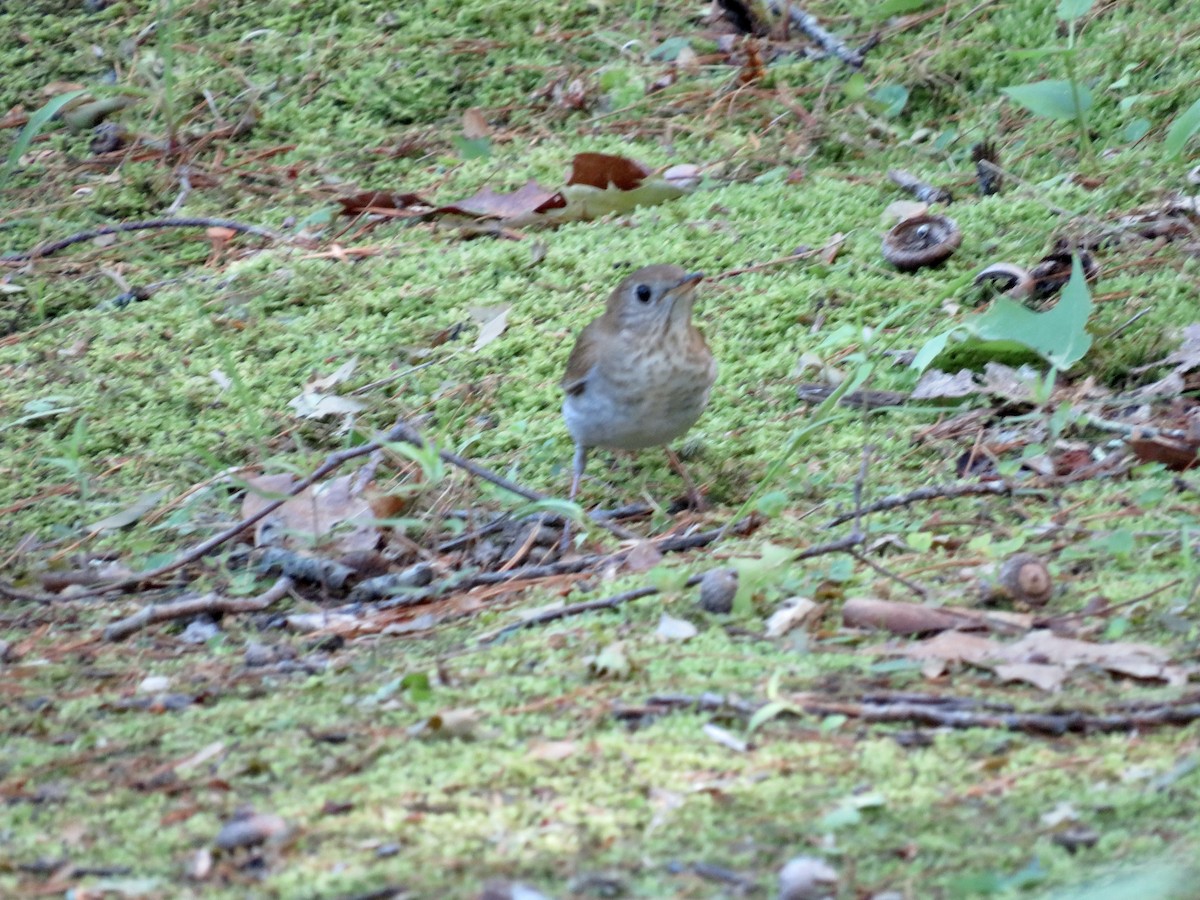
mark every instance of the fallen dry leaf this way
{"type": "Point", "coordinates": [385, 203]}
{"type": "Point", "coordinates": [673, 629]}
{"type": "Point", "coordinates": [1042, 658]}
{"type": "Point", "coordinates": [792, 612]}
{"type": "Point", "coordinates": [308, 516]}
{"type": "Point", "coordinates": [531, 198]}
{"type": "Point", "coordinates": [914, 618]}
{"type": "Point", "coordinates": [1177, 454]}
{"type": "Point", "coordinates": [603, 170]}
{"type": "Point", "coordinates": [475, 126]}
{"type": "Point", "coordinates": [492, 322]}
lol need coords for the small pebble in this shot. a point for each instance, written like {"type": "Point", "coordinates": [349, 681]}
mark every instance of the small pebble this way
{"type": "Point", "coordinates": [806, 878]}
{"type": "Point", "coordinates": [251, 830]}
{"type": "Point", "coordinates": [259, 654]}
{"type": "Point", "coordinates": [200, 630]}
{"type": "Point", "coordinates": [154, 684]}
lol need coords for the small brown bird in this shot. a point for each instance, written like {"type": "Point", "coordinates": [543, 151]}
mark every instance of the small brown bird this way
{"type": "Point", "coordinates": [640, 374]}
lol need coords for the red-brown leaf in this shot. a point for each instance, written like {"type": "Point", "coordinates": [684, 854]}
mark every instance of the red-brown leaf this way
{"type": "Point", "coordinates": [600, 170]}
{"type": "Point", "coordinates": [382, 201]}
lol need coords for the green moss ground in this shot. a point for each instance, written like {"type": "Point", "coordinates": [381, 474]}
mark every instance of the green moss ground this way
{"type": "Point", "coordinates": [338, 91]}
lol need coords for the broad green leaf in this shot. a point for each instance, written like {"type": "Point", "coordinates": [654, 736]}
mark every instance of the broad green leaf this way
{"type": "Point", "coordinates": [1073, 9]}
{"type": "Point", "coordinates": [772, 504]}
{"type": "Point", "coordinates": [945, 139]}
{"type": "Point", "coordinates": [855, 87]}
{"type": "Point", "coordinates": [1058, 335]}
{"type": "Point", "coordinates": [1182, 129]}
{"type": "Point", "coordinates": [417, 684]}
{"type": "Point", "coordinates": [890, 8]}
{"type": "Point", "coordinates": [1052, 99]}
{"type": "Point", "coordinates": [472, 148]}
{"type": "Point", "coordinates": [35, 124]}
{"type": "Point", "coordinates": [669, 50]}
{"type": "Point", "coordinates": [1126, 103]}
{"type": "Point", "coordinates": [931, 349]}
{"type": "Point", "coordinates": [892, 97]}
{"type": "Point", "coordinates": [553, 506]}
{"type": "Point", "coordinates": [1135, 130]}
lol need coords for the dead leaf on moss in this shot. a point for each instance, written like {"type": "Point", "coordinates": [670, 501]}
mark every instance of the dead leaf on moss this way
{"type": "Point", "coordinates": [492, 322]}
{"type": "Point", "coordinates": [312, 514]}
{"type": "Point", "coordinates": [529, 199]}
{"type": "Point", "coordinates": [1043, 658]}
{"type": "Point", "coordinates": [315, 403]}
{"type": "Point", "coordinates": [673, 629]}
{"type": "Point", "coordinates": [475, 126]}
{"type": "Point", "coordinates": [385, 203]}
{"type": "Point", "coordinates": [599, 184]}
{"type": "Point", "coordinates": [1177, 454]}
{"type": "Point", "coordinates": [793, 612]}
{"type": "Point", "coordinates": [551, 751]}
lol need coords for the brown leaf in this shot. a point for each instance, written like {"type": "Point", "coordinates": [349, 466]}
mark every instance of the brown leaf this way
{"type": "Point", "coordinates": [384, 203]}
{"type": "Point", "coordinates": [643, 557]}
{"type": "Point", "coordinates": [1177, 454]}
{"type": "Point", "coordinates": [475, 126]}
{"type": "Point", "coordinates": [601, 170]}
{"type": "Point", "coordinates": [1035, 657]}
{"type": "Point", "coordinates": [551, 751]}
{"type": "Point", "coordinates": [791, 613]}
{"type": "Point", "coordinates": [1040, 675]}
{"type": "Point", "coordinates": [531, 197]}
{"type": "Point", "coordinates": [312, 513]}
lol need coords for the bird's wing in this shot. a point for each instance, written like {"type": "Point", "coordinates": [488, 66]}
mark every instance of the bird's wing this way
{"type": "Point", "coordinates": [583, 357]}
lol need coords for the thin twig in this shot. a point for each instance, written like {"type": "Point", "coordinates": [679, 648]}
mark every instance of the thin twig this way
{"type": "Point", "coordinates": [210, 604]}
{"type": "Point", "coordinates": [1084, 614]}
{"type": "Point", "coordinates": [123, 227]}
{"type": "Point", "coordinates": [576, 609]}
{"type": "Point", "coordinates": [888, 573]}
{"type": "Point", "coordinates": [933, 492]}
{"type": "Point", "coordinates": [841, 545]}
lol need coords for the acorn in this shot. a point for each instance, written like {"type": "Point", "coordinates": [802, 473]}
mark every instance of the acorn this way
{"type": "Point", "coordinates": [1022, 578]}
{"type": "Point", "coordinates": [717, 590]}
{"type": "Point", "coordinates": [921, 241]}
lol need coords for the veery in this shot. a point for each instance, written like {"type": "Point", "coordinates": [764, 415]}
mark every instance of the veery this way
{"type": "Point", "coordinates": [640, 374]}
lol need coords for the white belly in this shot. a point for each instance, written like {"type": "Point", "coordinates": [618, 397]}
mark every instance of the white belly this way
{"type": "Point", "coordinates": [650, 419]}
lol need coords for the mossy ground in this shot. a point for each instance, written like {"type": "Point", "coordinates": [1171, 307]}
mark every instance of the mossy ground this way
{"type": "Point", "coordinates": [370, 95]}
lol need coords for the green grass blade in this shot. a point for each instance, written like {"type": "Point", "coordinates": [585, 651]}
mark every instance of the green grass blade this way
{"type": "Point", "coordinates": [35, 124]}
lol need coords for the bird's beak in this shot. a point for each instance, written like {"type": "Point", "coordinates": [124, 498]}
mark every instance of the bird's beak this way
{"type": "Point", "coordinates": [689, 280]}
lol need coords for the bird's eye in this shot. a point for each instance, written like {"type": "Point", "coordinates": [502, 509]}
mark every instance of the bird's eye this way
{"type": "Point", "coordinates": [643, 293]}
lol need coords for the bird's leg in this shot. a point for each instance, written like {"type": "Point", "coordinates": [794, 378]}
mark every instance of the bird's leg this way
{"type": "Point", "coordinates": [577, 469]}
{"type": "Point", "coordinates": [576, 476]}
{"type": "Point", "coordinates": [695, 498]}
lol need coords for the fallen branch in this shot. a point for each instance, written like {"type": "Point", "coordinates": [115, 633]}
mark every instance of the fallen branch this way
{"type": "Point", "coordinates": [941, 712]}
{"type": "Point", "coordinates": [668, 545]}
{"type": "Point", "coordinates": [11, 592]}
{"type": "Point", "coordinates": [124, 227]}
{"type": "Point", "coordinates": [399, 432]}
{"type": "Point", "coordinates": [827, 41]}
{"type": "Point", "coordinates": [210, 604]}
